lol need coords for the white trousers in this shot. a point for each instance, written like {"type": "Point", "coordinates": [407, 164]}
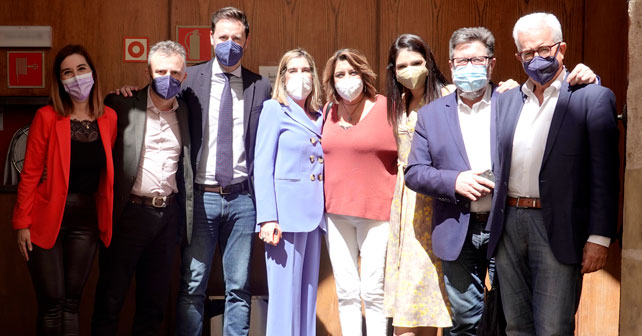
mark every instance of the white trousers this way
{"type": "Point", "coordinates": [348, 238]}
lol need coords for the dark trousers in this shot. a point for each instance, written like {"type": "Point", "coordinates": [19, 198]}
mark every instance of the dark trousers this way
{"type": "Point", "coordinates": [464, 279]}
{"type": "Point", "coordinates": [540, 295]}
{"type": "Point", "coordinates": [59, 274]}
{"type": "Point", "coordinates": [143, 244]}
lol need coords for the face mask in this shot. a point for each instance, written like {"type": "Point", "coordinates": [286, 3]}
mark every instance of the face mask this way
{"type": "Point", "coordinates": [228, 53]}
{"type": "Point", "coordinates": [299, 86]}
{"type": "Point", "coordinates": [79, 87]}
{"type": "Point", "coordinates": [541, 69]}
{"type": "Point", "coordinates": [349, 88]}
{"type": "Point", "coordinates": [413, 76]}
{"type": "Point", "coordinates": [166, 86]}
{"type": "Point", "coordinates": [470, 78]}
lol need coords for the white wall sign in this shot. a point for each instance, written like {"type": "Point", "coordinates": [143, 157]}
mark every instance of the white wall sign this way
{"type": "Point", "coordinates": [25, 36]}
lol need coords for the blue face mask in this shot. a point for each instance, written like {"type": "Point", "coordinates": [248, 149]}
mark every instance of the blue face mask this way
{"type": "Point", "coordinates": [228, 53]}
{"type": "Point", "coordinates": [470, 78]}
{"type": "Point", "coordinates": [166, 86]}
{"type": "Point", "coordinates": [541, 69]}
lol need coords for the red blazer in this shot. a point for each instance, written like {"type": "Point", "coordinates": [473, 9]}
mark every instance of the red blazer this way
{"type": "Point", "coordinates": [40, 206]}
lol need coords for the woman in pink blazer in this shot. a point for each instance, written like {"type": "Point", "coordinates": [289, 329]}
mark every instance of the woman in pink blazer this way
{"type": "Point", "coordinates": [65, 195]}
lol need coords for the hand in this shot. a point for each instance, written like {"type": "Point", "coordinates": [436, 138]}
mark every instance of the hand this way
{"type": "Point", "coordinates": [473, 186]}
{"type": "Point", "coordinates": [270, 233]}
{"type": "Point", "coordinates": [594, 258]}
{"type": "Point", "coordinates": [581, 74]}
{"type": "Point", "coordinates": [24, 242]}
{"type": "Point", "coordinates": [126, 90]}
{"type": "Point", "coordinates": [506, 85]}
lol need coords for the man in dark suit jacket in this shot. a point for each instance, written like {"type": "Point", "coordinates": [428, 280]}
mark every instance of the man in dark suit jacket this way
{"type": "Point", "coordinates": [225, 102]}
{"type": "Point", "coordinates": [556, 196]}
{"type": "Point", "coordinates": [151, 164]}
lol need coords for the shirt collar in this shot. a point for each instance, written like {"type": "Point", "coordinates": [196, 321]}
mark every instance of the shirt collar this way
{"type": "Point", "coordinates": [153, 108]}
{"type": "Point", "coordinates": [216, 69]}
{"type": "Point", "coordinates": [484, 101]}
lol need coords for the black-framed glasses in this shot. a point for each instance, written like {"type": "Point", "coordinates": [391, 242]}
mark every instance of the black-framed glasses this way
{"type": "Point", "coordinates": [543, 51]}
{"type": "Point", "coordinates": [477, 60]}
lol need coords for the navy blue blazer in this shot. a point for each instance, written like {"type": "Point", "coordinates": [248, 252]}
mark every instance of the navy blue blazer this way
{"type": "Point", "coordinates": [289, 167]}
{"type": "Point", "coordinates": [437, 156]}
{"type": "Point", "coordinates": [579, 177]}
{"type": "Point", "coordinates": [196, 94]}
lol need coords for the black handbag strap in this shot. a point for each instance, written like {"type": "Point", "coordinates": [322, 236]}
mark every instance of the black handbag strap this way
{"type": "Point", "coordinates": [326, 112]}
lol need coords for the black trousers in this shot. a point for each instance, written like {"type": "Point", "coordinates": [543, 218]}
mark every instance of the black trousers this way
{"type": "Point", "coordinates": [59, 274]}
{"type": "Point", "coordinates": [143, 244]}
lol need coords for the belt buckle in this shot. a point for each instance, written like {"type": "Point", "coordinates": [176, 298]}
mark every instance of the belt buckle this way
{"type": "Point", "coordinates": [162, 199]}
{"type": "Point", "coordinates": [518, 206]}
{"type": "Point", "coordinates": [221, 190]}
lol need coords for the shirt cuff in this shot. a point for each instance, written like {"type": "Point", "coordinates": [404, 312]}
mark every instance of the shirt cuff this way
{"type": "Point", "coordinates": [600, 240]}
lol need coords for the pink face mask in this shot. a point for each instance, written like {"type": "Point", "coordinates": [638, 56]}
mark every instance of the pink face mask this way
{"type": "Point", "coordinates": [79, 87]}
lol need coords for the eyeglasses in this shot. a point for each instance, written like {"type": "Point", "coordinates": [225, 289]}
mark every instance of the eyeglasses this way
{"type": "Point", "coordinates": [477, 60]}
{"type": "Point", "coordinates": [543, 51]}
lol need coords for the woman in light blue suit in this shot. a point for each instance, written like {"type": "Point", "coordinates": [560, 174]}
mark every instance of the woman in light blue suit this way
{"type": "Point", "coordinates": [288, 177]}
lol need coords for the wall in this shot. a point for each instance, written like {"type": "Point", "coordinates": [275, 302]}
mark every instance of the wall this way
{"type": "Point", "coordinates": [631, 306]}
{"type": "Point", "coordinates": [594, 30]}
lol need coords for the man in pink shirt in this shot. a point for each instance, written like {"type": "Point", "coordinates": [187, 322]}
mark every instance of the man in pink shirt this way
{"type": "Point", "coordinates": [151, 155]}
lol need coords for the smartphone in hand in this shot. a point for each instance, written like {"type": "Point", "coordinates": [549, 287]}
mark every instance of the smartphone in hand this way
{"type": "Point", "coordinates": [488, 174]}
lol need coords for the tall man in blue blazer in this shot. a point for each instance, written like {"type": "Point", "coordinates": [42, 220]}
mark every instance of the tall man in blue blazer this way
{"type": "Point", "coordinates": [556, 196]}
{"type": "Point", "coordinates": [225, 101]}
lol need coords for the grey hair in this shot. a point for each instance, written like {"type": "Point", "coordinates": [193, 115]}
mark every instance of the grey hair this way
{"type": "Point", "coordinates": [167, 48]}
{"type": "Point", "coordinates": [535, 21]}
{"type": "Point", "coordinates": [467, 35]}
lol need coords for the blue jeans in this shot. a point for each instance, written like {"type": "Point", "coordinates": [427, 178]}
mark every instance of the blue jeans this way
{"type": "Point", "coordinates": [228, 220]}
{"type": "Point", "coordinates": [464, 279]}
{"type": "Point", "coordinates": [540, 295]}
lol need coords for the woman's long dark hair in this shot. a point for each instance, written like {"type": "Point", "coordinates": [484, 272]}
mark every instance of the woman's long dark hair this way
{"type": "Point", "coordinates": [434, 81]}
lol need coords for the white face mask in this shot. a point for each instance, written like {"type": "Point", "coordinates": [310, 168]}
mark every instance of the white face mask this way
{"type": "Point", "coordinates": [299, 86]}
{"type": "Point", "coordinates": [349, 88]}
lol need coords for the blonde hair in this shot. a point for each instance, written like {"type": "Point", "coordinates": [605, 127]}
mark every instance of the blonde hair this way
{"type": "Point", "coordinates": [313, 101]}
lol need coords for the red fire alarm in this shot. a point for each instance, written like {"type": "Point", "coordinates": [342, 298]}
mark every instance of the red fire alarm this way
{"type": "Point", "coordinates": [25, 69]}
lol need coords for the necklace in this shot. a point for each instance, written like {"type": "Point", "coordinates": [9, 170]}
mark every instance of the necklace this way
{"type": "Point", "coordinates": [349, 114]}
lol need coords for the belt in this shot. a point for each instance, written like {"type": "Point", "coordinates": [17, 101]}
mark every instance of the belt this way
{"type": "Point", "coordinates": [236, 188]}
{"type": "Point", "coordinates": [156, 201]}
{"type": "Point", "coordinates": [524, 202]}
{"type": "Point", "coordinates": [480, 217]}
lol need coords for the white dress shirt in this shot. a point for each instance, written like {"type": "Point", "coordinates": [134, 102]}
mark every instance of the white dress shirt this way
{"type": "Point", "coordinates": [161, 150]}
{"type": "Point", "coordinates": [475, 129]}
{"type": "Point", "coordinates": [529, 143]}
{"type": "Point", "coordinates": [206, 160]}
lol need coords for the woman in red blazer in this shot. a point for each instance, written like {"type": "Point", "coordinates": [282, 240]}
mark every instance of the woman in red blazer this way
{"type": "Point", "coordinates": [65, 195]}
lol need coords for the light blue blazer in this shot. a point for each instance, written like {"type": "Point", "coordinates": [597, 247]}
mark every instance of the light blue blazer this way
{"type": "Point", "coordinates": [288, 168]}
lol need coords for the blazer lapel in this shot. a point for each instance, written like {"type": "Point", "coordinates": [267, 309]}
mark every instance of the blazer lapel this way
{"type": "Point", "coordinates": [248, 99]}
{"type": "Point", "coordinates": [205, 91]}
{"type": "Point", "coordinates": [138, 116]}
{"type": "Point", "coordinates": [558, 117]}
{"type": "Point", "coordinates": [506, 121]}
{"type": "Point", "coordinates": [63, 132]}
{"type": "Point", "coordinates": [297, 114]}
{"type": "Point", "coordinates": [455, 129]}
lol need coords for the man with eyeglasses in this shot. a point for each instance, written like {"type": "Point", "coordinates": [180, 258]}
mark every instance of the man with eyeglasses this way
{"type": "Point", "coordinates": [450, 160]}
{"type": "Point", "coordinates": [555, 203]}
